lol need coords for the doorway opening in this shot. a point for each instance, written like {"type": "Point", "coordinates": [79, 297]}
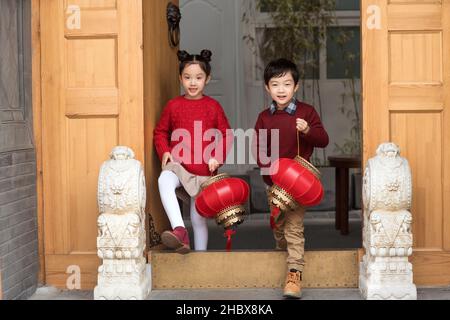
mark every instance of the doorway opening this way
{"type": "Point", "coordinates": [325, 43]}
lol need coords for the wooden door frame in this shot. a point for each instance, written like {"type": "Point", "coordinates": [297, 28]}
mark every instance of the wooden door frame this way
{"type": "Point", "coordinates": [37, 128]}
{"type": "Point", "coordinates": [37, 132]}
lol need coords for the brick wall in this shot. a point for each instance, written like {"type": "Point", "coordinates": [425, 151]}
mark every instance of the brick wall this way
{"type": "Point", "coordinates": [19, 262]}
{"type": "Point", "coordinates": [18, 218]}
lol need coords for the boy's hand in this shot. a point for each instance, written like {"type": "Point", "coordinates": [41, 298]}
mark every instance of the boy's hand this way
{"type": "Point", "coordinates": [213, 165]}
{"type": "Point", "coordinates": [166, 158]}
{"type": "Point", "coordinates": [303, 126]}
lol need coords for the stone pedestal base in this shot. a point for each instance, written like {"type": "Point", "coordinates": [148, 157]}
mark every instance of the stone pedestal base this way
{"type": "Point", "coordinates": [125, 291]}
{"type": "Point", "coordinates": [385, 287]}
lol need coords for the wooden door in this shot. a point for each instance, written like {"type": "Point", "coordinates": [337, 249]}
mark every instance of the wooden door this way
{"type": "Point", "coordinates": [92, 100]}
{"type": "Point", "coordinates": [406, 88]}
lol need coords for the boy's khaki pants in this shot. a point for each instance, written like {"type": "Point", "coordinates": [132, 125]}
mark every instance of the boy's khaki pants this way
{"type": "Point", "coordinates": [289, 234]}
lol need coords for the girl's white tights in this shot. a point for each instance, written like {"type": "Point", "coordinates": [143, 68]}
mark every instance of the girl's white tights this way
{"type": "Point", "coordinates": [199, 224]}
{"type": "Point", "coordinates": [168, 182]}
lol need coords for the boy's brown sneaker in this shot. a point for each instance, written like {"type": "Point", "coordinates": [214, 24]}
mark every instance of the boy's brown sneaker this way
{"type": "Point", "coordinates": [293, 287]}
{"type": "Point", "coordinates": [178, 239]}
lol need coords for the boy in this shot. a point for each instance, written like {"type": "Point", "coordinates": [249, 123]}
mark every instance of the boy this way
{"type": "Point", "coordinates": [289, 116]}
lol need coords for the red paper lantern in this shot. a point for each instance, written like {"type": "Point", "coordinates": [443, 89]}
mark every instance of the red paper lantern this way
{"type": "Point", "coordinates": [223, 198]}
{"type": "Point", "coordinates": [296, 182]}
{"type": "Point", "coordinates": [301, 183]}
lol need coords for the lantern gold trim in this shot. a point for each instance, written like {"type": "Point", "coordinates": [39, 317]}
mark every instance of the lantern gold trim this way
{"type": "Point", "coordinates": [214, 179]}
{"type": "Point", "coordinates": [311, 168]}
{"type": "Point", "coordinates": [231, 216]}
{"type": "Point", "coordinates": [282, 199]}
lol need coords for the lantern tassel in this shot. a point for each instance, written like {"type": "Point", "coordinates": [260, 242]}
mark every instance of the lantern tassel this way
{"type": "Point", "coordinates": [228, 234]}
{"type": "Point", "coordinates": [274, 215]}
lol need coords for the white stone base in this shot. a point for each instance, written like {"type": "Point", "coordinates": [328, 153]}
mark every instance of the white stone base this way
{"type": "Point", "coordinates": [124, 291]}
{"type": "Point", "coordinates": [387, 290]}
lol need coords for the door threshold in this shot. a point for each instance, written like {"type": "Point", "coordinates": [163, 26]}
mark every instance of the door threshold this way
{"type": "Point", "coordinates": [251, 269]}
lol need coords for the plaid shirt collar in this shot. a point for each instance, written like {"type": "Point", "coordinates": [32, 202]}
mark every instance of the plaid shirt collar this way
{"type": "Point", "coordinates": [291, 108]}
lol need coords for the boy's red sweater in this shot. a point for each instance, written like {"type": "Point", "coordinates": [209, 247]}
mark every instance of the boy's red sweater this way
{"type": "Point", "coordinates": [182, 113]}
{"type": "Point", "coordinates": [286, 123]}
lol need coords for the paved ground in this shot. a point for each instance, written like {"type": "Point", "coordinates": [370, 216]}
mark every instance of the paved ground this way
{"type": "Point", "coordinates": [48, 293]}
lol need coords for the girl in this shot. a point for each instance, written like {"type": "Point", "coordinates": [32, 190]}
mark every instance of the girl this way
{"type": "Point", "coordinates": [187, 163]}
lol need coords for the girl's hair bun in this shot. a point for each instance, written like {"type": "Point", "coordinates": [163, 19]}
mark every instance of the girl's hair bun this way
{"type": "Point", "coordinates": [183, 55]}
{"type": "Point", "coordinates": [203, 60]}
{"type": "Point", "coordinates": [206, 55]}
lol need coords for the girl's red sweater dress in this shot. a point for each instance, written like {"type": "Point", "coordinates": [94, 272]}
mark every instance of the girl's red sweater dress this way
{"type": "Point", "coordinates": [193, 118]}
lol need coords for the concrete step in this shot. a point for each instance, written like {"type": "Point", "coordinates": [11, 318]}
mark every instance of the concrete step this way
{"type": "Point", "coordinates": [250, 269]}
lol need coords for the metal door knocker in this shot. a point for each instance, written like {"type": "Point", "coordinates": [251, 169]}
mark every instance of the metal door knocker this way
{"type": "Point", "coordinates": [173, 20]}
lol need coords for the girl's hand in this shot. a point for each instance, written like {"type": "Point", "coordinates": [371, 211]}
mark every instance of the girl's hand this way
{"type": "Point", "coordinates": [303, 126]}
{"type": "Point", "coordinates": [213, 165]}
{"type": "Point", "coordinates": [166, 158]}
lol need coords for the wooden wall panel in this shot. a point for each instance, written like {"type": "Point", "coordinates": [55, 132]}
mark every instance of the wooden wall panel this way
{"type": "Point", "coordinates": [415, 15]}
{"type": "Point", "coordinates": [415, 57]}
{"type": "Point", "coordinates": [92, 63]}
{"type": "Point", "coordinates": [375, 77]}
{"type": "Point", "coordinates": [92, 93]}
{"type": "Point", "coordinates": [406, 79]}
{"type": "Point", "coordinates": [93, 4]}
{"type": "Point", "coordinates": [419, 137]}
{"type": "Point", "coordinates": [84, 165]}
{"type": "Point", "coordinates": [446, 126]}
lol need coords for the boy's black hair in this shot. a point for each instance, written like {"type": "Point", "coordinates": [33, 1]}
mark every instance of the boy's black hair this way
{"type": "Point", "coordinates": [278, 68]}
{"type": "Point", "coordinates": [203, 60]}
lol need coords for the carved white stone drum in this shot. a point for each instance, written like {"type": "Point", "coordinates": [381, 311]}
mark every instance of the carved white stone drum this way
{"type": "Point", "coordinates": [124, 273]}
{"type": "Point", "coordinates": [385, 272]}
{"type": "Point", "coordinates": [387, 181]}
{"type": "Point", "coordinates": [121, 183]}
